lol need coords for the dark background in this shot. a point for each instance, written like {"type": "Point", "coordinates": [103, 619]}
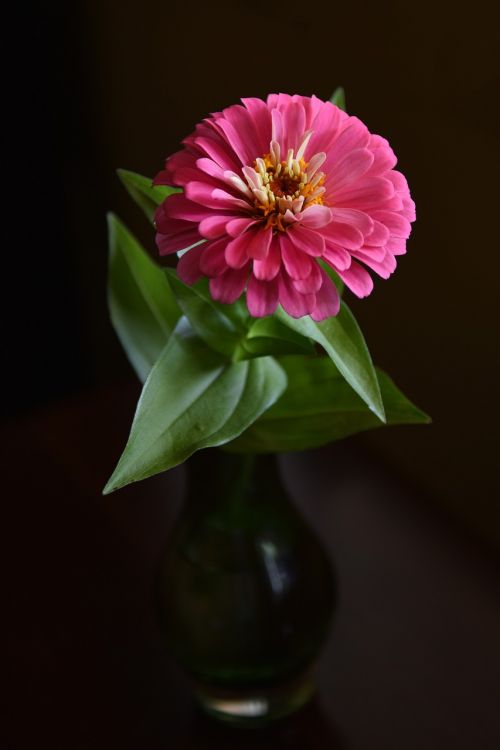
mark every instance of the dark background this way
{"type": "Point", "coordinates": [411, 512]}
{"type": "Point", "coordinates": [101, 85]}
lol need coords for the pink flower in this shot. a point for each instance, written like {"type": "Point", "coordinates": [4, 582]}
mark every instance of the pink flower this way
{"type": "Point", "coordinates": [273, 187]}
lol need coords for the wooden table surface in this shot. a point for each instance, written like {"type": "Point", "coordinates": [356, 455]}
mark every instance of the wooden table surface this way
{"type": "Point", "coordinates": [413, 662]}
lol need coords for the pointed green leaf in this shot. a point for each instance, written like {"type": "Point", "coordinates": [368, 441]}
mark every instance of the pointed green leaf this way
{"type": "Point", "coordinates": [192, 399]}
{"type": "Point", "coordinates": [237, 312]}
{"type": "Point", "coordinates": [319, 407]}
{"type": "Point", "coordinates": [269, 336]}
{"type": "Point", "coordinates": [142, 306]}
{"type": "Point", "coordinates": [343, 341]}
{"type": "Point", "coordinates": [218, 325]}
{"type": "Point", "coordinates": [338, 98]}
{"type": "Point", "coordinates": [144, 193]}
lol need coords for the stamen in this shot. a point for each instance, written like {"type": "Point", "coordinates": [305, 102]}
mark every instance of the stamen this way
{"type": "Point", "coordinates": [315, 163]}
{"type": "Point", "coordinates": [261, 195]}
{"type": "Point", "coordinates": [315, 194]}
{"type": "Point", "coordinates": [261, 166]}
{"type": "Point", "coordinates": [316, 179]}
{"type": "Point", "coordinates": [253, 177]}
{"type": "Point", "coordinates": [275, 153]}
{"type": "Point", "coordinates": [283, 188]}
{"type": "Point", "coordinates": [303, 144]}
{"type": "Point", "coordinates": [237, 182]}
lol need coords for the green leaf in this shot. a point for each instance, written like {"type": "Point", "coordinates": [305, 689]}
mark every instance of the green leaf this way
{"type": "Point", "coordinates": [237, 312]}
{"type": "Point", "coordinates": [343, 341]}
{"type": "Point", "coordinates": [142, 307]}
{"type": "Point", "coordinates": [220, 326]}
{"type": "Point", "coordinates": [319, 407]}
{"type": "Point", "coordinates": [338, 98]}
{"type": "Point", "coordinates": [141, 189]}
{"type": "Point", "coordinates": [192, 399]}
{"type": "Point", "coordinates": [270, 336]}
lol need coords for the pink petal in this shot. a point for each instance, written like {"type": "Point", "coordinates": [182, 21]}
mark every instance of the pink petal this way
{"type": "Point", "coordinates": [375, 252]}
{"type": "Point", "coordinates": [213, 226]}
{"type": "Point", "coordinates": [247, 144]}
{"type": "Point", "coordinates": [353, 216]}
{"type": "Point", "coordinates": [351, 167]}
{"type": "Point", "coordinates": [368, 193]}
{"type": "Point", "coordinates": [260, 241]}
{"type": "Point", "coordinates": [395, 203]}
{"type": "Point", "coordinates": [383, 267]}
{"type": "Point", "coordinates": [326, 126]}
{"type": "Point", "coordinates": [337, 257]}
{"type": "Point", "coordinates": [376, 142]}
{"type": "Point", "coordinates": [293, 302]}
{"type": "Point", "coordinates": [229, 286]}
{"type": "Point", "coordinates": [306, 240]}
{"type": "Point", "coordinates": [228, 201]}
{"type": "Point", "coordinates": [280, 101]}
{"type": "Point", "coordinates": [316, 216]}
{"type": "Point", "coordinates": [357, 279]}
{"type": "Point", "coordinates": [237, 250]}
{"type": "Point", "coordinates": [185, 175]}
{"type": "Point", "coordinates": [277, 128]}
{"type": "Point", "coordinates": [398, 180]}
{"type": "Point", "coordinates": [267, 268]}
{"type": "Point", "coordinates": [344, 235]}
{"type": "Point", "coordinates": [294, 125]}
{"type": "Point", "coordinates": [408, 210]}
{"type": "Point", "coordinates": [261, 118]}
{"type": "Point", "coordinates": [213, 261]}
{"type": "Point", "coordinates": [163, 178]}
{"type": "Point", "coordinates": [188, 267]}
{"type": "Point", "coordinates": [297, 263]}
{"type": "Point", "coordinates": [211, 168]}
{"type": "Point", "coordinates": [176, 161]}
{"type": "Point", "coordinates": [165, 225]}
{"type": "Point", "coordinates": [179, 207]}
{"type": "Point", "coordinates": [327, 299]}
{"type": "Point", "coordinates": [221, 153]}
{"type": "Point", "coordinates": [236, 227]}
{"type": "Point", "coordinates": [262, 297]}
{"type": "Point", "coordinates": [312, 283]}
{"type": "Point", "coordinates": [314, 107]}
{"type": "Point", "coordinates": [379, 235]}
{"type": "Point", "coordinates": [353, 136]}
{"type": "Point", "coordinates": [240, 140]}
{"type": "Point", "coordinates": [384, 160]}
{"type": "Point", "coordinates": [396, 245]}
{"type": "Point", "coordinates": [172, 243]}
{"type": "Point", "coordinates": [206, 195]}
{"type": "Point", "coordinates": [395, 223]}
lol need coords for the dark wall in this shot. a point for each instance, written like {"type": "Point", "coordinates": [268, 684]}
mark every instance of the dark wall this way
{"type": "Point", "coordinates": [119, 84]}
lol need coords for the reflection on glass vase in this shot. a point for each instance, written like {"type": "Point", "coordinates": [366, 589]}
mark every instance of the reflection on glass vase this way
{"type": "Point", "coordinates": [245, 590]}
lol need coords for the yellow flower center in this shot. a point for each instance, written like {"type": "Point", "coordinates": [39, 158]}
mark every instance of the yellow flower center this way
{"type": "Point", "coordinates": [282, 185]}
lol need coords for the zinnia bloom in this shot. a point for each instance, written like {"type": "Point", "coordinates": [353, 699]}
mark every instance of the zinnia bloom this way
{"type": "Point", "coordinates": [273, 187]}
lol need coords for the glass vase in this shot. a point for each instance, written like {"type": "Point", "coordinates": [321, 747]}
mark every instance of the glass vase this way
{"type": "Point", "coordinates": [245, 590]}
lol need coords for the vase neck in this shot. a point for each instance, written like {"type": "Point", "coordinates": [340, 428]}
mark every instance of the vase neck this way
{"type": "Point", "coordinates": [231, 480]}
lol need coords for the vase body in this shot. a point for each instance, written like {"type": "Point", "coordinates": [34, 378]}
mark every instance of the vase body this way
{"type": "Point", "coordinates": [245, 590]}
